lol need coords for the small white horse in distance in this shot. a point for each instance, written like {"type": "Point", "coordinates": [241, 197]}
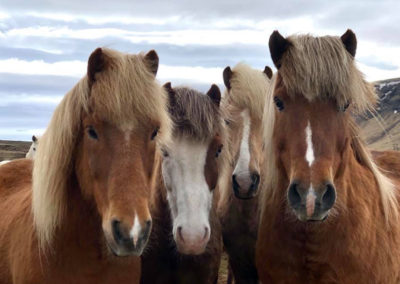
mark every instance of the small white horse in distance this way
{"type": "Point", "coordinates": [32, 150]}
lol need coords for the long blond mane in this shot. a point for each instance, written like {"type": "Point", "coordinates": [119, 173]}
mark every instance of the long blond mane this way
{"type": "Point", "coordinates": [125, 93]}
{"type": "Point", "coordinates": [318, 68]}
{"type": "Point", "coordinates": [249, 88]}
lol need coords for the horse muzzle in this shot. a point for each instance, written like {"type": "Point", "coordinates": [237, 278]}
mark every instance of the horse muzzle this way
{"type": "Point", "coordinates": [126, 242]}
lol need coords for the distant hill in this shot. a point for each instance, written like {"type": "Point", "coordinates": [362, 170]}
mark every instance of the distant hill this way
{"type": "Point", "coordinates": [10, 150]}
{"type": "Point", "coordinates": [384, 136]}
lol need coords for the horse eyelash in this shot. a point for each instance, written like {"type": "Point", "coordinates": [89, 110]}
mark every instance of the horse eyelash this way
{"type": "Point", "coordinates": [92, 133]}
{"type": "Point", "coordinates": [219, 151]}
{"type": "Point", "coordinates": [155, 132]}
{"type": "Point", "coordinates": [164, 153]}
{"type": "Point", "coordinates": [278, 103]}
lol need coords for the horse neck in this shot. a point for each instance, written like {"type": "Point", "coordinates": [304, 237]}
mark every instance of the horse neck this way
{"type": "Point", "coordinates": [81, 223]}
{"type": "Point", "coordinates": [158, 195]}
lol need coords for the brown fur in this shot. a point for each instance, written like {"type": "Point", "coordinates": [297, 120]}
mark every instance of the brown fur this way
{"type": "Point", "coordinates": [56, 232]}
{"type": "Point", "coordinates": [197, 118]}
{"type": "Point", "coordinates": [194, 114]}
{"type": "Point", "coordinates": [360, 240]}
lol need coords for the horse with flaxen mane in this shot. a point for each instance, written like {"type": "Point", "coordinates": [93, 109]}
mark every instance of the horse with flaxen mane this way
{"type": "Point", "coordinates": [243, 106]}
{"type": "Point", "coordinates": [185, 245]}
{"type": "Point", "coordinates": [329, 213]}
{"type": "Point", "coordinates": [86, 203]}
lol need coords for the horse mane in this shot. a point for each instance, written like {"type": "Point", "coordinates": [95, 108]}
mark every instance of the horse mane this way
{"type": "Point", "coordinates": [321, 67]}
{"type": "Point", "coordinates": [124, 93]}
{"type": "Point", "coordinates": [269, 170]}
{"type": "Point", "coordinates": [194, 115]}
{"type": "Point", "coordinates": [248, 90]}
{"type": "Point", "coordinates": [385, 185]}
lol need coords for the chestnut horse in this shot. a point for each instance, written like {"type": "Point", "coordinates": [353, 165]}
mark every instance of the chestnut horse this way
{"type": "Point", "coordinates": [185, 244]}
{"type": "Point", "coordinates": [86, 203]}
{"type": "Point", "coordinates": [243, 106]}
{"type": "Point", "coordinates": [329, 214]}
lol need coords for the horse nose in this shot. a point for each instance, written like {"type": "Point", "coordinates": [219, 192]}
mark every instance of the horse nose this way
{"type": "Point", "coordinates": [245, 186]}
{"type": "Point", "coordinates": [311, 205]}
{"type": "Point", "coordinates": [130, 241]}
{"type": "Point", "coordinates": [190, 241]}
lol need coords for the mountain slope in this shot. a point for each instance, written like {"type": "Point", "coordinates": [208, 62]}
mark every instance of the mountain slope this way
{"type": "Point", "coordinates": [386, 134]}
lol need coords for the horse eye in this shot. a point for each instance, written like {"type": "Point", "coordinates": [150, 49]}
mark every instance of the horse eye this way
{"type": "Point", "coordinates": [344, 108]}
{"type": "Point", "coordinates": [164, 153]}
{"type": "Point", "coordinates": [92, 133]}
{"type": "Point", "coordinates": [278, 103]}
{"type": "Point", "coordinates": [219, 151]}
{"type": "Point", "coordinates": [154, 134]}
{"type": "Point", "coordinates": [34, 149]}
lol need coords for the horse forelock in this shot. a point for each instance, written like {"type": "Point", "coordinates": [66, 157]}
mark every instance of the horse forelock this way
{"type": "Point", "coordinates": [321, 67]}
{"type": "Point", "coordinates": [248, 90]}
{"type": "Point", "coordinates": [195, 115]}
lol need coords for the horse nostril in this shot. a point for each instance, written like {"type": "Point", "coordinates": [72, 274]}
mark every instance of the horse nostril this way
{"type": "Point", "coordinates": [148, 224]}
{"type": "Point", "coordinates": [235, 183]}
{"type": "Point", "coordinates": [116, 230]}
{"type": "Point", "coordinates": [255, 178]}
{"type": "Point", "coordinates": [294, 196]}
{"type": "Point", "coordinates": [205, 232]}
{"type": "Point", "coordinates": [180, 233]}
{"type": "Point", "coordinates": [329, 197]}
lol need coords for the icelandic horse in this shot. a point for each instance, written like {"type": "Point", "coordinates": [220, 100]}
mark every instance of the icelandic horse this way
{"type": "Point", "coordinates": [185, 244]}
{"type": "Point", "coordinates": [70, 216]}
{"type": "Point", "coordinates": [329, 212]}
{"type": "Point", "coordinates": [243, 106]}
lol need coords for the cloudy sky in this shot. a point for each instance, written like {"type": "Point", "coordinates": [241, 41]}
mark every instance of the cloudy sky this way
{"type": "Point", "coordinates": [44, 45]}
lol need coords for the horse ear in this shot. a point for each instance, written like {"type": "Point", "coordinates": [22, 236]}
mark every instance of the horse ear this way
{"type": "Point", "coordinates": [350, 42]}
{"type": "Point", "coordinates": [268, 72]}
{"type": "Point", "coordinates": [171, 93]}
{"type": "Point", "coordinates": [277, 47]}
{"type": "Point", "coordinates": [151, 59]}
{"type": "Point", "coordinates": [34, 139]}
{"type": "Point", "coordinates": [95, 64]}
{"type": "Point", "coordinates": [227, 74]}
{"type": "Point", "coordinates": [215, 94]}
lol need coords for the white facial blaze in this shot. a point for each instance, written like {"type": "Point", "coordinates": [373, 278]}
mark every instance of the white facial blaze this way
{"type": "Point", "coordinates": [310, 148]}
{"type": "Point", "coordinates": [188, 194]}
{"type": "Point", "coordinates": [243, 163]}
{"type": "Point", "coordinates": [310, 199]}
{"type": "Point", "coordinates": [135, 231]}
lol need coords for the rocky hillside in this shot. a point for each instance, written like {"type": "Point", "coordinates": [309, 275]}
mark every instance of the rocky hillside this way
{"type": "Point", "coordinates": [385, 134]}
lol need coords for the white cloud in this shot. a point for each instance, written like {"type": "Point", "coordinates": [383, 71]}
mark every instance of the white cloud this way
{"type": "Point", "coordinates": [39, 67]}
{"type": "Point", "coordinates": [78, 68]}
{"type": "Point", "coordinates": [29, 99]}
{"type": "Point", "coordinates": [375, 74]}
